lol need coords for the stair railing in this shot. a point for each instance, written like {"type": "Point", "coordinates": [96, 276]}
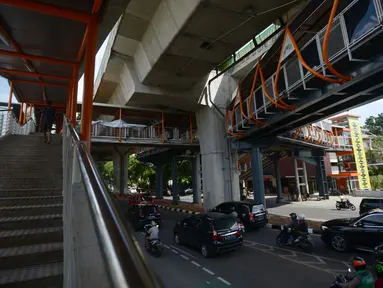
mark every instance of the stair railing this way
{"type": "Point", "coordinates": [10, 124]}
{"type": "Point", "coordinates": [99, 247]}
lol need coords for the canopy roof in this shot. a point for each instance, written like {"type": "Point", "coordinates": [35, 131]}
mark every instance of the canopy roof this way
{"type": "Point", "coordinates": [42, 41]}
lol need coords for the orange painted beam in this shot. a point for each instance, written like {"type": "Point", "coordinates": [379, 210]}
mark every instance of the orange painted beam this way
{"type": "Point", "coordinates": [74, 96]}
{"type": "Point", "coordinates": [87, 100]}
{"type": "Point", "coordinates": [37, 58]}
{"type": "Point", "coordinates": [21, 112]}
{"type": "Point", "coordinates": [43, 103]}
{"type": "Point", "coordinates": [27, 73]}
{"type": "Point", "coordinates": [10, 97]}
{"type": "Point", "coordinates": [49, 9]}
{"type": "Point", "coordinates": [40, 83]}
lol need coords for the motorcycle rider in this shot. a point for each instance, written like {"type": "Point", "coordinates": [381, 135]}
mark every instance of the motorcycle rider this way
{"type": "Point", "coordinates": [378, 265]}
{"type": "Point", "coordinates": [152, 233]}
{"type": "Point", "coordinates": [298, 226]}
{"type": "Point", "coordinates": [363, 278]}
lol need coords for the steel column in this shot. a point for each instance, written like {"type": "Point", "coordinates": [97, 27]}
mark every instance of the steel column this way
{"type": "Point", "coordinates": [21, 112]}
{"type": "Point", "coordinates": [159, 181]}
{"type": "Point", "coordinates": [305, 177]}
{"type": "Point", "coordinates": [278, 178]}
{"type": "Point", "coordinates": [298, 184]}
{"type": "Point", "coordinates": [195, 184]}
{"type": "Point", "coordinates": [174, 180]}
{"type": "Point", "coordinates": [87, 102]}
{"type": "Point", "coordinates": [10, 96]}
{"type": "Point", "coordinates": [257, 176]}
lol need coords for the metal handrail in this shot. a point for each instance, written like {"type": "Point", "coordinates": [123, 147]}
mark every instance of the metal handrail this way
{"type": "Point", "coordinates": [125, 264]}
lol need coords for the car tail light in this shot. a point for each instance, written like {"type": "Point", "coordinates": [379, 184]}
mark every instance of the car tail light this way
{"type": "Point", "coordinates": [215, 236]}
{"type": "Point", "coordinates": [238, 233]}
{"type": "Point", "coordinates": [251, 216]}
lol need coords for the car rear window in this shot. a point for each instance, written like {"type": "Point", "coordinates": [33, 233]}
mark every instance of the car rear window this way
{"type": "Point", "coordinates": [225, 223]}
{"type": "Point", "coordinates": [147, 210]}
{"type": "Point", "coordinates": [257, 208]}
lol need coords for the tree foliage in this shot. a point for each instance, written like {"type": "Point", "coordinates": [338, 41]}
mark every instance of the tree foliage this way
{"type": "Point", "coordinates": [375, 124]}
{"type": "Point", "coordinates": [375, 155]}
{"type": "Point", "coordinates": [140, 173]}
{"type": "Point", "coordinates": [106, 171]}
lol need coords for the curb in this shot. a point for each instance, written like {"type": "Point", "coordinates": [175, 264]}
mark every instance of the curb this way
{"type": "Point", "coordinates": [270, 226]}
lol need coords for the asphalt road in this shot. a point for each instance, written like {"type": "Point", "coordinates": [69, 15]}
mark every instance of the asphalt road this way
{"type": "Point", "coordinates": [258, 263]}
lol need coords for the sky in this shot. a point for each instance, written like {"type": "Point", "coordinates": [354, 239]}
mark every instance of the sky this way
{"type": "Point", "coordinates": [372, 109]}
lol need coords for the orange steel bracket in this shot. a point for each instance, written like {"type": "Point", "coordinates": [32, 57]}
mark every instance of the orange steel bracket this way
{"type": "Point", "coordinates": [191, 129]}
{"type": "Point", "coordinates": [325, 43]}
{"type": "Point", "coordinates": [247, 117]}
{"type": "Point", "coordinates": [120, 130]}
{"type": "Point", "coordinates": [163, 127]}
{"type": "Point", "coordinates": [37, 58]}
{"type": "Point", "coordinates": [30, 111]}
{"type": "Point", "coordinates": [25, 113]}
{"type": "Point", "coordinates": [49, 9]}
{"type": "Point", "coordinates": [235, 135]}
{"type": "Point", "coordinates": [2, 70]}
{"type": "Point", "coordinates": [87, 102]}
{"type": "Point", "coordinates": [252, 118]}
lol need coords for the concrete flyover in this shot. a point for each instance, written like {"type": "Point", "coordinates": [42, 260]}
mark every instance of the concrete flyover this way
{"type": "Point", "coordinates": [160, 56]}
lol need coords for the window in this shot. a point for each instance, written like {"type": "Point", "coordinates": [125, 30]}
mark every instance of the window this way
{"type": "Point", "coordinates": [225, 223]}
{"type": "Point", "coordinates": [147, 210]}
{"type": "Point", "coordinates": [373, 220]}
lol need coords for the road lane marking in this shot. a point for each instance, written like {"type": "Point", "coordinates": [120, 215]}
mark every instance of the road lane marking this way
{"type": "Point", "coordinates": [183, 256]}
{"type": "Point", "coordinates": [195, 263]}
{"type": "Point", "coordinates": [166, 246]}
{"type": "Point", "coordinates": [184, 252]}
{"type": "Point", "coordinates": [320, 260]}
{"type": "Point", "coordinates": [224, 281]}
{"type": "Point", "coordinates": [175, 251]}
{"type": "Point", "coordinates": [208, 271]}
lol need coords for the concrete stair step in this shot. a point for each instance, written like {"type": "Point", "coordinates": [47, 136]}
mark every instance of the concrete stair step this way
{"type": "Point", "coordinates": [45, 275]}
{"type": "Point", "coordinates": [26, 185]}
{"type": "Point", "coordinates": [27, 222]}
{"type": "Point", "coordinates": [21, 256]}
{"type": "Point", "coordinates": [30, 210]}
{"type": "Point", "coordinates": [9, 193]}
{"type": "Point", "coordinates": [22, 237]}
{"type": "Point", "coordinates": [31, 200]}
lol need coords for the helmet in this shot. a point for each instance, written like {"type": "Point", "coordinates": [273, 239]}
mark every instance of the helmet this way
{"type": "Point", "coordinates": [153, 223]}
{"type": "Point", "coordinates": [293, 216]}
{"type": "Point", "coordinates": [301, 216]}
{"type": "Point", "coordinates": [359, 264]}
{"type": "Point", "coordinates": [379, 269]}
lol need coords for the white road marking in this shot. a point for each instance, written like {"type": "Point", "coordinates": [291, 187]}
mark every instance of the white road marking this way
{"type": "Point", "coordinates": [175, 251]}
{"type": "Point", "coordinates": [184, 252]}
{"type": "Point", "coordinates": [183, 256]}
{"type": "Point", "coordinates": [195, 263]}
{"type": "Point", "coordinates": [166, 246]}
{"type": "Point", "coordinates": [224, 281]}
{"type": "Point", "coordinates": [294, 254]}
{"type": "Point", "coordinates": [320, 260]}
{"type": "Point", "coordinates": [208, 271]}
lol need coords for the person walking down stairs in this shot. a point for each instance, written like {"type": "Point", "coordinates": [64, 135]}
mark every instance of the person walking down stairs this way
{"type": "Point", "coordinates": [31, 225]}
{"type": "Point", "coordinates": [48, 115]}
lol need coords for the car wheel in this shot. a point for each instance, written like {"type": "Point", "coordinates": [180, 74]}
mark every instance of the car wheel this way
{"type": "Point", "coordinates": [339, 243]}
{"type": "Point", "coordinates": [177, 239]}
{"type": "Point", "coordinates": [205, 251]}
{"type": "Point", "coordinates": [337, 206]}
{"type": "Point", "coordinates": [353, 207]}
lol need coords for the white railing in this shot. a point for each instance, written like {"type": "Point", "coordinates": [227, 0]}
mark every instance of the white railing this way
{"type": "Point", "coordinates": [9, 124]}
{"type": "Point", "coordinates": [292, 73]}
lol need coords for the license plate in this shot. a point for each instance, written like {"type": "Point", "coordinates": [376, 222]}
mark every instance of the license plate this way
{"type": "Point", "coordinates": [151, 217]}
{"type": "Point", "coordinates": [230, 237]}
{"type": "Point", "coordinates": [260, 217]}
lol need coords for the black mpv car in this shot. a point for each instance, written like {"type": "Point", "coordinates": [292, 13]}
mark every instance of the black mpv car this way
{"type": "Point", "coordinates": [211, 233]}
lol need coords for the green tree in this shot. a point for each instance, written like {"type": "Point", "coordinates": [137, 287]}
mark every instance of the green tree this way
{"type": "Point", "coordinates": [140, 173]}
{"type": "Point", "coordinates": [375, 155]}
{"type": "Point", "coordinates": [106, 171]}
{"type": "Point", "coordinates": [375, 124]}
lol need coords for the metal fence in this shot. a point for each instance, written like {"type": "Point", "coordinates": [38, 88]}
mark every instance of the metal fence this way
{"type": "Point", "coordinates": [99, 247]}
{"type": "Point", "coordinates": [10, 125]}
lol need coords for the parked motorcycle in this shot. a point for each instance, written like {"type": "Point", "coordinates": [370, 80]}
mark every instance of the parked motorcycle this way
{"type": "Point", "coordinates": [341, 279]}
{"type": "Point", "coordinates": [154, 246]}
{"type": "Point", "coordinates": [285, 238]}
{"type": "Point", "coordinates": [344, 204]}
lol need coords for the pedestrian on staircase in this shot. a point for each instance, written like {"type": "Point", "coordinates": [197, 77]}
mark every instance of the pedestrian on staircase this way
{"type": "Point", "coordinates": [48, 115]}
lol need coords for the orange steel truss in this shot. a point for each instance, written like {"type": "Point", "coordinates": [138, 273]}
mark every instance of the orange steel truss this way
{"type": "Point", "coordinates": [88, 45]}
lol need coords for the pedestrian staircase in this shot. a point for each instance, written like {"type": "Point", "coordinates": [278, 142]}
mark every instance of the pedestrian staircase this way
{"type": "Point", "coordinates": [31, 228]}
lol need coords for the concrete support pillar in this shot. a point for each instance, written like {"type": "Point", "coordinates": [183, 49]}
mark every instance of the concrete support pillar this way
{"type": "Point", "coordinates": [159, 180]}
{"type": "Point", "coordinates": [120, 168]}
{"type": "Point", "coordinates": [305, 177]}
{"type": "Point", "coordinates": [219, 164]}
{"type": "Point", "coordinates": [257, 176]}
{"type": "Point", "coordinates": [174, 180]}
{"type": "Point", "coordinates": [196, 181]}
{"type": "Point", "coordinates": [278, 183]}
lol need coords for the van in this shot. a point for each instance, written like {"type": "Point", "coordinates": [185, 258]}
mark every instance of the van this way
{"type": "Point", "coordinates": [368, 204]}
